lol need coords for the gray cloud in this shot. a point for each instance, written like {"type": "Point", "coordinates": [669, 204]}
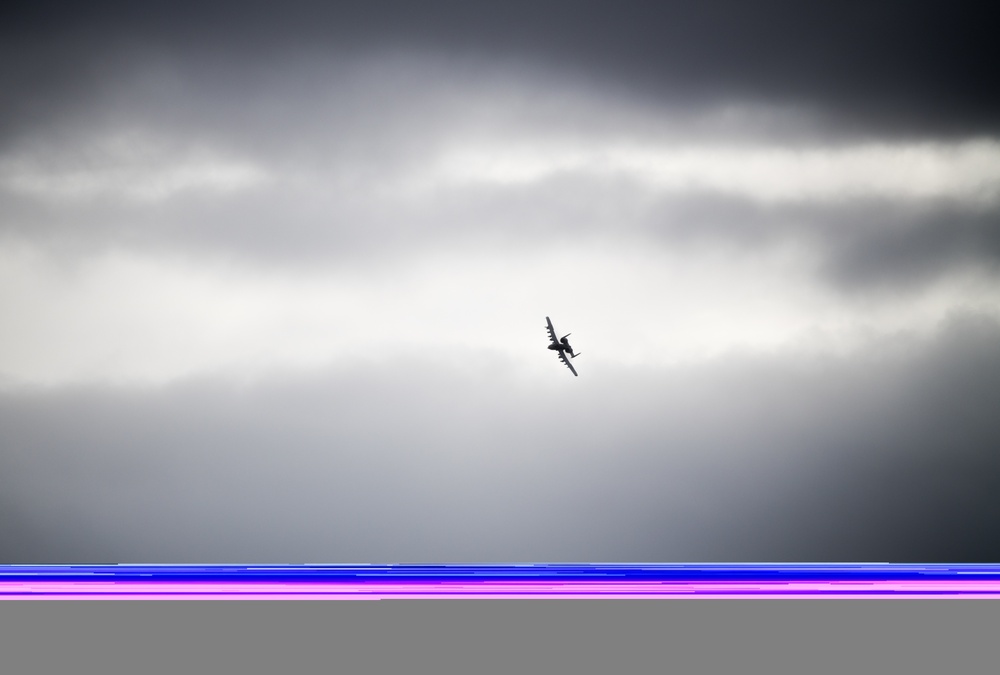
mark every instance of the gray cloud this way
{"type": "Point", "coordinates": [864, 245]}
{"type": "Point", "coordinates": [341, 136]}
{"type": "Point", "coordinates": [903, 252]}
{"type": "Point", "coordinates": [360, 206]}
{"type": "Point", "coordinates": [338, 135]}
{"type": "Point", "coordinates": [885, 456]}
{"type": "Point", "coordinates": [917, 481]}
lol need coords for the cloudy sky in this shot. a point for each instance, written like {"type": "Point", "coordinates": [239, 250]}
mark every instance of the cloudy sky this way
{"type": "Point", "coordinates": [274, 280]}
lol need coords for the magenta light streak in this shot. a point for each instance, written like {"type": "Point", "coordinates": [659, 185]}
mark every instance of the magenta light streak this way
{"type": "Point", "coordinates": [347, 590]}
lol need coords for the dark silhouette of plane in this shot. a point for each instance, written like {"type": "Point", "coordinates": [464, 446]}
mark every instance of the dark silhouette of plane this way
{"type": "Point", "coordinates": [561, 346]}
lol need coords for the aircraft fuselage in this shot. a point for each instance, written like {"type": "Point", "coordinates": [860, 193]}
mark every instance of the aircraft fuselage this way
{"type": "Point", "coordinates": [562, 346]}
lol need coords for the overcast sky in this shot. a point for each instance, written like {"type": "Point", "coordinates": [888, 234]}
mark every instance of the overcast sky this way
{"type": "Point", "coordinates": [274, 280]}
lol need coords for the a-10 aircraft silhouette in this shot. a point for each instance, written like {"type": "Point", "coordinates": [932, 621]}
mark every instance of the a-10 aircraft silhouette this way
{"type": "Point", "coordinates": [561, 346]}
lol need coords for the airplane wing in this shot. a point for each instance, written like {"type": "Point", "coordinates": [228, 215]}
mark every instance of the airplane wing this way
{"type": "Point", "coordinates": [562, 357]}
{"type": "Point", "coordinates": [552, 331]}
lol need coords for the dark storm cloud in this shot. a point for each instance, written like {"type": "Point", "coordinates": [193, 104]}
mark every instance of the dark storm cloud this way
{"type": "Point", "coordinates": [894, 66]}
{"type": "Point", "coordinates": [888, 455]}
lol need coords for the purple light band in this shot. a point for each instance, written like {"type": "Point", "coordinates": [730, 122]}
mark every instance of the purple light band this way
{"type": "Point", "coordinates": [495, 589]}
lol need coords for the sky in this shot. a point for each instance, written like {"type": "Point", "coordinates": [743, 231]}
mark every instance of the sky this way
{"type": "Point", "coordinates": [274, 280]}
